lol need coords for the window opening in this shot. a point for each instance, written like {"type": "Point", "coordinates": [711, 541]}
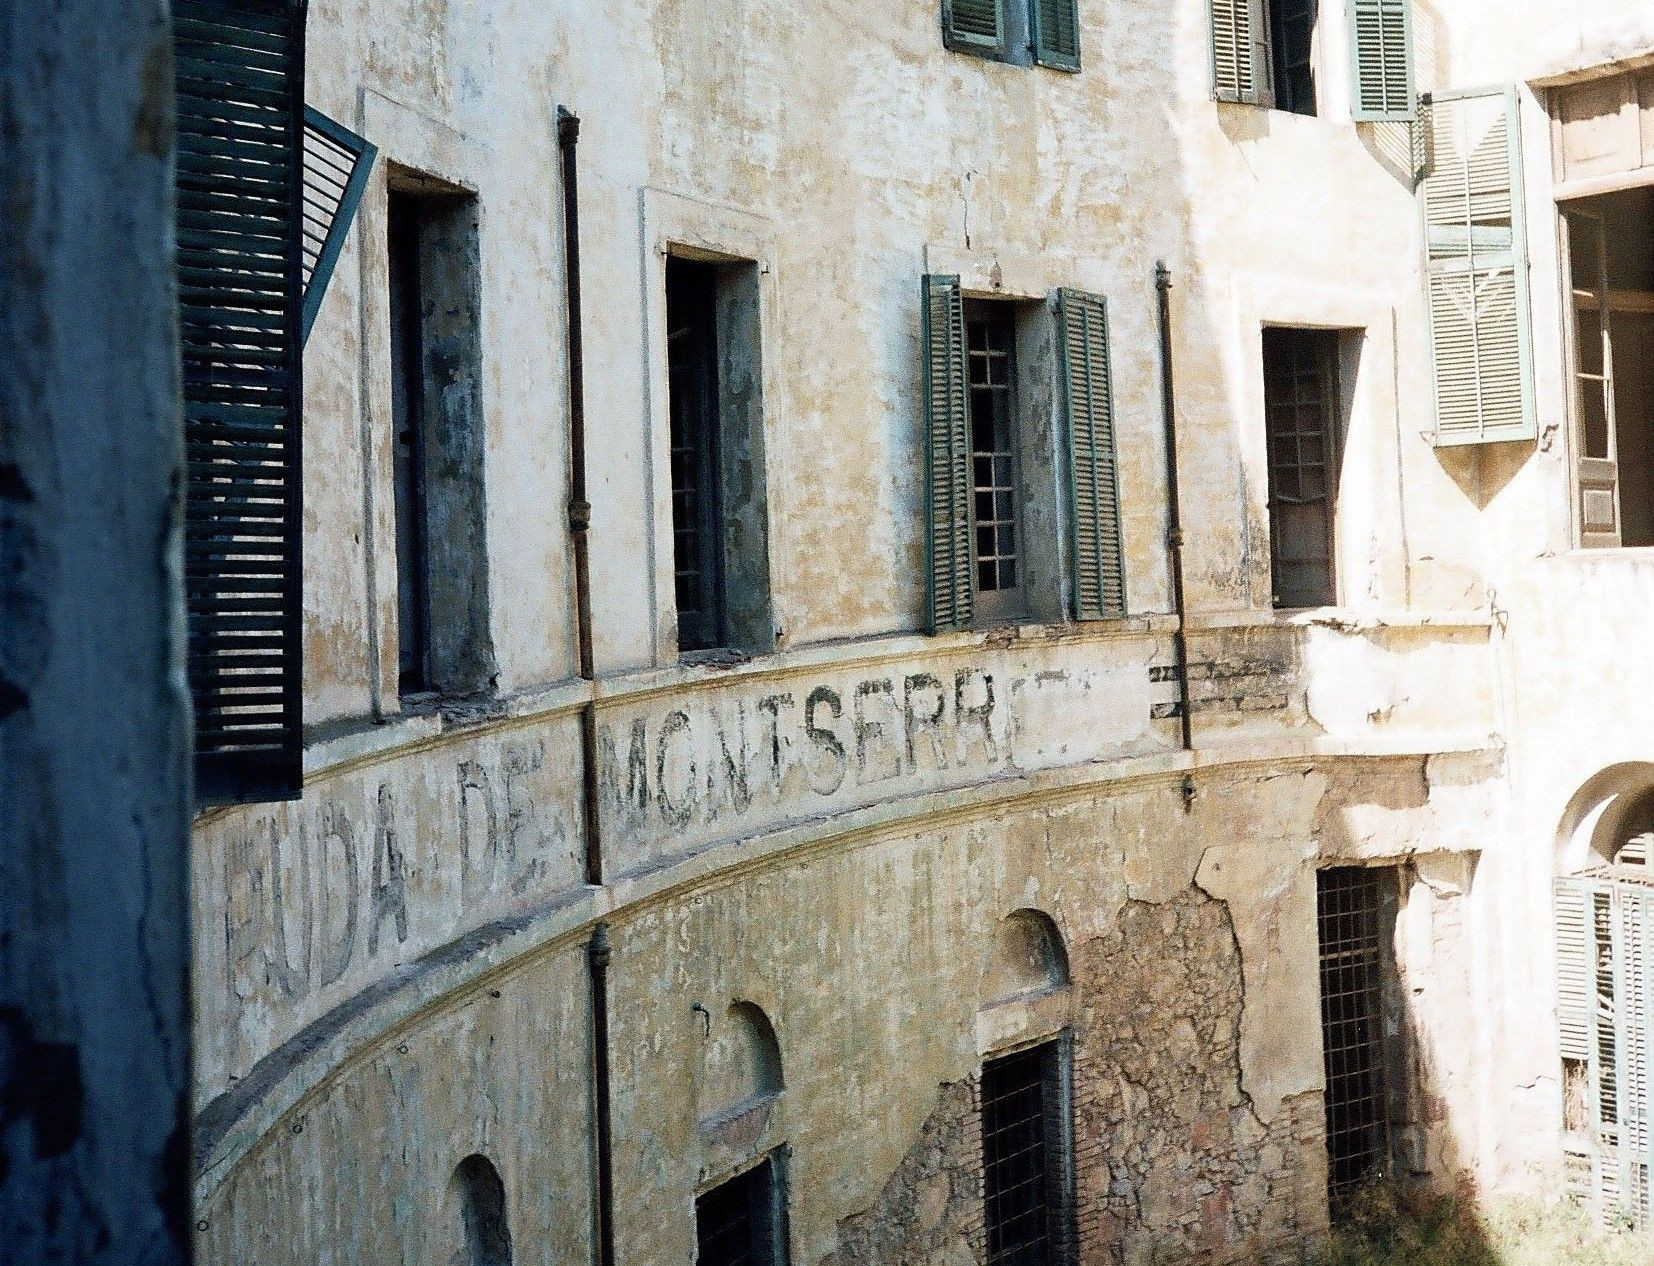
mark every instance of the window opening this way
{"type": "Point", "coordinates": [1356, 925]}
{"type": "Point", "coordinates": [1612, 285]}
{"type": "Point", "coordinates": [990, 333]}
{"type": "Point", "coordinates": [1302, 403]}
{"type": "Point", "coordinates": [482, 1201]}
{"type": "Point", "coordinates": [738, 1223]}
{"type": "Point", "coordinates": [444, 640]}
{"type": "Point", "coordinates": [692, 355]}
{"type": "Point", "coordinates": [1025, 1157]}
{"type": "Point", "coordinates": [1292, 38]}
{"type": "Point", "coordinates": [408, 445]}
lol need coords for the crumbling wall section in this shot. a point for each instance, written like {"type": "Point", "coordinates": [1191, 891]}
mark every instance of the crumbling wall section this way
{"type": "Point", "coordinates": [930, 1212]}
{"type": "Point", "coordinates": [1172, 1163]}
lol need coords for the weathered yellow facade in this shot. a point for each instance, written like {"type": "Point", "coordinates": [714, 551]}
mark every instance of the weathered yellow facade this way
{"type": "Point", "coordinates": [392, 974]}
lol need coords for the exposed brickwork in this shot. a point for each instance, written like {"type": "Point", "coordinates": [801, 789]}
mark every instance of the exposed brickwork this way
{"type": "Point", "coordinates": [930, 1211]}
{"type": "Point", "coordinates": [1172, 1165]}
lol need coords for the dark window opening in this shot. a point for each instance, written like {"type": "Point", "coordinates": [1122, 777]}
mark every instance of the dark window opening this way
{"type": "Point", "coordinates": [444, 642]}
{"type": "Point", "coordinates": [408, 446]}
{"type": "Point", "coordinates": [1025, 1157]}
{"type": "Point", "coordinates": [1302, 411]}
{"type": "Point", "coordinates": [1291, 43]}
{"type": "Point", "coordinates": [715, 412]}
{"type": "Point", "coordinates": [692, 359]}
{"type": "Point", "coordinates": [1356, 915]}
{"type": "Point", "coordinates": [990, 340]}
{"type": "Point", "coordinates": [482, 1204]}
{"type": "Point", "coordinates": [738, 1223]}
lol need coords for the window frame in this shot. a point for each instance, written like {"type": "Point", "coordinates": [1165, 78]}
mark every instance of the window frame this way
{"type": "Point", "coordinates": [1335, 406]}
{"type": "Point", "coordinates": [1056, 1088]}
{"type": "Point", "coordinates": [767, 1244]}
{"type": "Point", "coordinates": [1010, 602]}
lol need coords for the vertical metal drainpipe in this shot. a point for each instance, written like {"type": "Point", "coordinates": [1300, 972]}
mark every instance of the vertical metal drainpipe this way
{"type": "Point", "coordinates": [580, 510]}
{"type": "Point", "coordinates": [597, 955]}
{"type": "Point", "coordinates": [580, 518]}
{"type": "Point", "coordinates": [1174, 521]}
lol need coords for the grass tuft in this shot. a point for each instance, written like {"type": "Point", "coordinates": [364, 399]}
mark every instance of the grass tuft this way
{"type": "Point", "coordinates": [1388, 1226]}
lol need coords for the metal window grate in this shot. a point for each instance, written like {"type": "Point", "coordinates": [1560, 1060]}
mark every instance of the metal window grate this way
{"type": "Point", "coordinates": [736, 1222]}
{"type": "Point", "coordinates": [692, 364]}
{"type": "Point", "coordinates": [989, 340]}
{"type": "Point", "coordinates": [1350, 918]}
{"type": "Point", "coordinates": [1300, 415]}
{"type": "Point", "coordinates": [1023, 1164]}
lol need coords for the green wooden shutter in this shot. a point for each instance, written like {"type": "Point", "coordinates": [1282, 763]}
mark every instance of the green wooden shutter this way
{"type": "Point", "coordinates": [1057, 33]}
{"type": "Point", "coordinates": [336, 167]}
{"type": "Point", "coordinates": [974, 26]}
{"type": "Point", "coordinates": [1477, 269]}
{"type": "Point", "coordinates": [949, 518]}
{"type": "Point", "coordinates": [1240, 52]}
{"type": "Point", "coordinates": [1098, 571]}
{"type": "Point", "coordinates": [1381, 60]}
{"type": "Point", "coordinates": [240, 97]}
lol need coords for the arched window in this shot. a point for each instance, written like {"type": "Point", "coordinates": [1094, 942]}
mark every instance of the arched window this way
{"type": "Point", "coordinates": [482, 1206]}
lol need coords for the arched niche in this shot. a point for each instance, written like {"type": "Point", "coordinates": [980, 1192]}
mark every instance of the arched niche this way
{"type": "Point", "coordinates": [481, 1198]}
{"type": "Point", "coordinates": [740, 1061]}
{"type": "Point", "coordinates": [1613, 810]}
{"type": "Point", "coordinates": [1027, 958]}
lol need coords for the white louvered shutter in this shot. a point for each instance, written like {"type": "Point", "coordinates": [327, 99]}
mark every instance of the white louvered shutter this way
{"type": "Point", "coordinates": [1240, 52]}
{"type": "Point", "coordinates": [1477, 270]}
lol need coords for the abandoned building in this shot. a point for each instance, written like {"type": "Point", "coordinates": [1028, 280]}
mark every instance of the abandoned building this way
{"type": "Point", "coordinates": [956, 631]}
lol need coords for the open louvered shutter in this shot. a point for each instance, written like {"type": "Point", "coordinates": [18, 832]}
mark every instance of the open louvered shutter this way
{"type": "Point", "coordinates": [1057, 34]}
{"type": "Point", "coordinates": [1240, 52]}
{"type": "Point", "coordinates": [1573, 968]}
{"type": "Point", "coordinates": [336, 167]}
{"type": "Point", "coordinates": [976, 26]}
{"type": "Point", "coordinates": [1635, 1009]}
{"type": "Point", "coordinates": [240, 97]}
{"type": "Point", "coordinates": [1477, 269]}
{"type": "Point", "coordinates": [1381, 60]}
{"type": "Point", "coordinates": [1098, 572]}
{"type": "Point", "coordinates": [949, 517]}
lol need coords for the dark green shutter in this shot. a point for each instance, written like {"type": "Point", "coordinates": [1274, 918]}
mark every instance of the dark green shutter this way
{"type": "Point", "coordinates": [240, 96]}
{"type": "Point", "coordinates": [1477, 269]}
{"type": "Point", "coordinates": [974, 26]}
{"type": "Point", "coordinates": [1240, 52]}
{"type": "Point", "coordinates": [1057, 34]}
{"type": "Point", "coordinates": [1098, 571]}
{"type": "Point", "coordinates": [949, 516]}
{"type": "Point", "coordinates": [1381, 60]}
{"type": "Point", "coordinates": [336, 167]}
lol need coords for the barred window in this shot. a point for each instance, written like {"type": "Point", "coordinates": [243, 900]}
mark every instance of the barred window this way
{"type": "Point", "coordinates": [1026, 1163]}
{"type": "Point", "coordinates": [1356, 914]}
{"type": "Point", "coordinates": [990, 336]}
{"type": "Point", "coordinates": [738, 1223]}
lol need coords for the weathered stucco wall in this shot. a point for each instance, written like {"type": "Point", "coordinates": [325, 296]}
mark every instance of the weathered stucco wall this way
{"type": "Point", "coordinates": [834, 833]}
